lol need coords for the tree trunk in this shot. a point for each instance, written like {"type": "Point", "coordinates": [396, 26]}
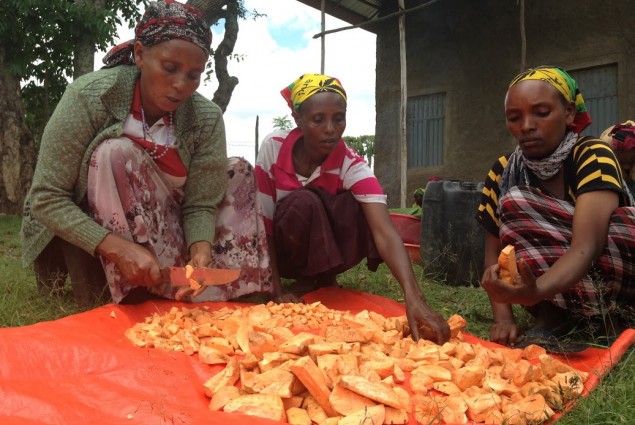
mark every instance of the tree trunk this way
{"type": "Point", "coordinates": [84, 55]}
{"type": "Point", "coordinates": [17, 155]}
{"type": "Point", "coordinates": [212, 10]}
{"type": "Point", "coordinates": [226, 82]}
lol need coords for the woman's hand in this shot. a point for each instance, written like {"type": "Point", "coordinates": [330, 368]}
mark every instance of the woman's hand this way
{"type": "Point", "coordinates": [137, 265]}
{"type": "Point", "coordinates": [524, 291]}
{"type": "Point", "coordinates": [201, 254]}
{"type": "Point", "coordinates": [504, 332]}
{"type": "Point", "coordinates": [425, 322]}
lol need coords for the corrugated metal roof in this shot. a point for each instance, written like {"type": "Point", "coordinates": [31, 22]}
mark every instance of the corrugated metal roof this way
{"type": "Point", "coordinates": [352, 11]}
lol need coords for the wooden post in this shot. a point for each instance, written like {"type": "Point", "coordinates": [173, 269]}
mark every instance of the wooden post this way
{"type": "Point", "coordinates": [523, 37]}
{"type": "Point", "coordinates": [323, 38]}
{"type": "Point", "coordinates": [257, 138]}
{"type": "Point", "coordinates": [403, 78]}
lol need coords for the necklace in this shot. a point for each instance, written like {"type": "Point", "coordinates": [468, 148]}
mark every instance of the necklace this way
{"type": "Point", "coordinates": [146, 133]}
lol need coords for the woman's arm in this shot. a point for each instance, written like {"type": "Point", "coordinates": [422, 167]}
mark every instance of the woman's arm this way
{"type": "Point", "coordinates": [423, 321]}
{"type": "Point", "coordinates": [137, 264]}
{"type": "Point", "coordinates": [68, 133]}
{"type": "Point", "coordinates": [206, 175]}
{"type": "Point", "coordinates": [589, 232]}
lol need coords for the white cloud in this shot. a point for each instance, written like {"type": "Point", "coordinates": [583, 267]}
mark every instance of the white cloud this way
{"type": "Point", "coordinates": [267, 67]}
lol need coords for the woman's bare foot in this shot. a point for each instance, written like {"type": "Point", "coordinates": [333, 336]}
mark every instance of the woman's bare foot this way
{"type": "Point", "coordinates": [287, 297]}
{"type": "Point", "coordinates": [327, 280]}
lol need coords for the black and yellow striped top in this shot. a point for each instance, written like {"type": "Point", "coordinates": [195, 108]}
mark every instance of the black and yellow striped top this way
{"type": "Point", "coordinates": [590, 166]}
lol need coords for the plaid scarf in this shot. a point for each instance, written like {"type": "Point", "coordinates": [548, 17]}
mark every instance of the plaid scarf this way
{"type": "Point", "coordinates": [515, 173]}
{"type": "Point", "coordinates": [163, 21]}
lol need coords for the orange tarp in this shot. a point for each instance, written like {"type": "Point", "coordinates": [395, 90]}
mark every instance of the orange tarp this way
{"type": "Point", "coordinates": [82, 370]}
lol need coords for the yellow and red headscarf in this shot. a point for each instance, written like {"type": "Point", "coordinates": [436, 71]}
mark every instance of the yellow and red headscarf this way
{"type": "Point", "coordinates": [567, 87]}
{"type": "Point", "coordinates": [308, 85]}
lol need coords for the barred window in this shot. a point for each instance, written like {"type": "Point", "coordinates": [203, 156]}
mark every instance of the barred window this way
{"type": "Point", "coordinates": [425, 123]}
{"type": "Point", "coordinates": [598, 86]}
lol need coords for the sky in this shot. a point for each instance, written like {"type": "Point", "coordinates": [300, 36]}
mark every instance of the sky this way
{"type": "Point", "coordinates": [278, 48]}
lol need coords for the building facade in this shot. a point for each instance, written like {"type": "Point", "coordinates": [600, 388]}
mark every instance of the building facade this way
{"type": "Point", "coordinates": [461, 55]}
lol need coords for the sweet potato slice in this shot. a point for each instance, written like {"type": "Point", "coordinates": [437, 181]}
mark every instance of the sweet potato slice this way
{"type": "Point", "coordinates": [532, 409]}
{"type": "Point", "coordinates": [310, 375]}
{"type": "Point", "coordinates": [346, 402]}
{"type": "Point", "coordinates": [374, 391]}
{"type": "Point", "coordinates": [533, 351]}
{"type": "Point", "coordinates": [456, 323]}
{"type": "Point", "coordinates": [297, 344]}
{"type": "Point", "coordinates": [209, 355]}
{"type": "Point", "coordinates": [316, 412]}
{"type": "Point", "coordinates": [275, 381]}
{"type": "Point", "coordinates": [220, 344]}
{"type": "Point", "coordinates": [194, 284]}
{"type": "Point", "coordinates": [267, 406]}
{"type": "Point", "coordinates": [404, 398]}
{"type": "Point", "coordinates": [507, 263]}
{"type": "Point", "coordinates": [362, 335]}
{"type": "Point", "coordinates": [395, 416]}
{"type": "Point", "coordinates": [223, 396]}
{"type": "Point", "coordinates": [446, 387]}
{"type": "Point", "coordinates": [295, 401]}
{"type": "Point", "coordinates": [468, 376]}
{"type": "Point", "coordinates": [298, 416]}
{"type": "Point", "coordinates": [224, 378]}
{"type": "Point", "coordinates": [426, 409]}
{"type": "Point", "coordinates": [437, 373]}
{"type": "Point", "coordinates": [260, 343]}
{"type": "Point", "coordinates": [367, 416]}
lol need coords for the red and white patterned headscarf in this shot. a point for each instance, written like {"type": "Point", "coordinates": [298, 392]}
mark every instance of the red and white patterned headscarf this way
{"type": "Point", "coordinates": [621, 137]}
{"type": "Point", "coordinates": [163, 21]}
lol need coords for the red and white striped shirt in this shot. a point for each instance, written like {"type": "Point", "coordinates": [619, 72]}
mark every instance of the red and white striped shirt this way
{"type": "Point", "coordinates": [342, 170]}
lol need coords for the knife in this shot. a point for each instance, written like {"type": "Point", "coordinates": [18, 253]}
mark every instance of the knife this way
{"type": "Point", "coordinates": [178, 276]}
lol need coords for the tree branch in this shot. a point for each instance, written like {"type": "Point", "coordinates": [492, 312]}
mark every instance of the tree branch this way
{"type": "Point", "coordinates": [226, 82]}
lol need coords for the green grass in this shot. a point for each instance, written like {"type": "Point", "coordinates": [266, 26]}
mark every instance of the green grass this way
{"type": "Point", "coordinates": [610, 403]}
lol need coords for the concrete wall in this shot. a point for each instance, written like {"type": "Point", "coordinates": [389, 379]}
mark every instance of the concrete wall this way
{"type": "Point", "coordinates": [471, 50]}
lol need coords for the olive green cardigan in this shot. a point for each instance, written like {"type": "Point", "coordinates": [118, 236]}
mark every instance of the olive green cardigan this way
{"type": "Point", "coordinates": [93, 109]}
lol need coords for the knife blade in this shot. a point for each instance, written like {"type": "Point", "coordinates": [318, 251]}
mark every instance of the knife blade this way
{"type": "Point", "coordinates": [177, 276]}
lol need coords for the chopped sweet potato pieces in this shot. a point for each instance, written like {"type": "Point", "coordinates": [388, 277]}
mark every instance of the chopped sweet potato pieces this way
{"type": "Point", "coordinates": [507, 265]}
{"type": "Point", "coordinates": [307, 364]}
{"type": "Point", "coordinates": [188, 271]}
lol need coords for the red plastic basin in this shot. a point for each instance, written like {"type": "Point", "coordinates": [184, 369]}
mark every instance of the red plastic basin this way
{"type": "Point", "coordinates": [408, 227]}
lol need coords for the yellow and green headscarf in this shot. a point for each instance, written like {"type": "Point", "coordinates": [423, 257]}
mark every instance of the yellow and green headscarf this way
{"type": "Point", "coordinates": [308, 85]}
{"type": "Point", "coordinates": [567, 87]}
